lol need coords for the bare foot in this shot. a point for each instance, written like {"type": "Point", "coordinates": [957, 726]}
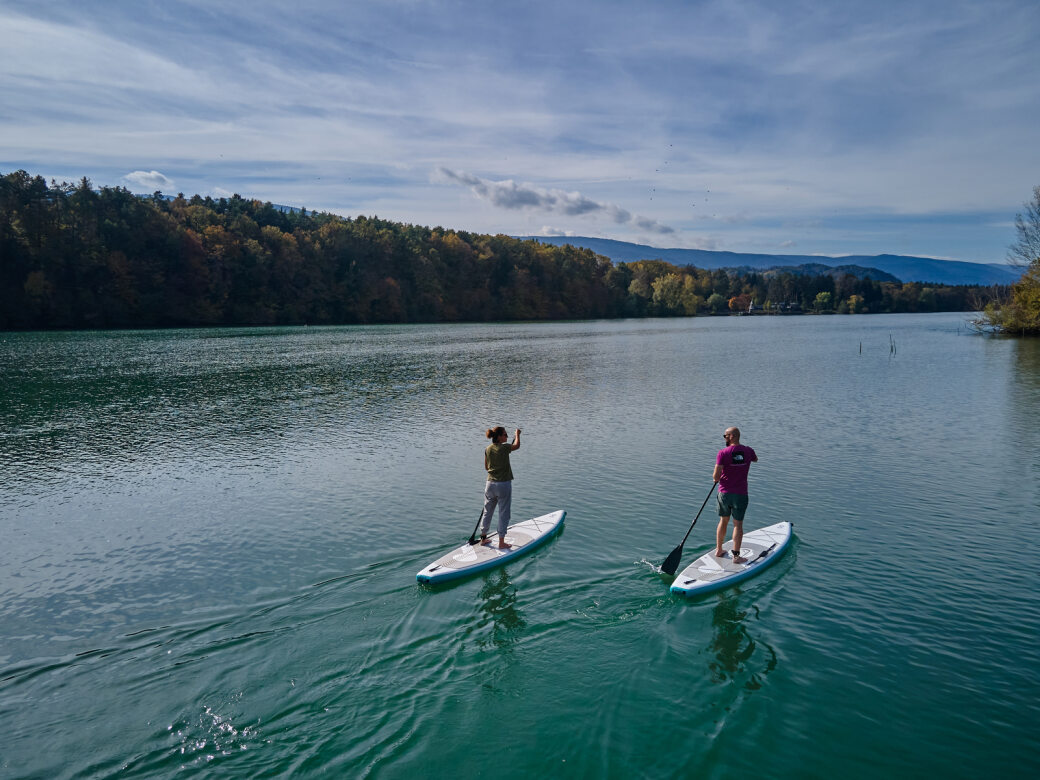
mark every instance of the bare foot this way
{"type": "Point", "coordinates": [505, 546]}
{"type": "Point", "coordinates": [483, 540]}
{"type": "Point", "coordinates": [720, 553]}
{"type": "Point", "coordinates": [739, 559]}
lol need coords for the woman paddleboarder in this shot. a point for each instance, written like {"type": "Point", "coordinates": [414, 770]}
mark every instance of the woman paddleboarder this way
{"type": "Point", "coordinates": [499, 488]}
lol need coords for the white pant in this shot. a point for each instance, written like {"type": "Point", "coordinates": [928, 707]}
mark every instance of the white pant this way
{"type": "Point", "coordinates": [498, 494]}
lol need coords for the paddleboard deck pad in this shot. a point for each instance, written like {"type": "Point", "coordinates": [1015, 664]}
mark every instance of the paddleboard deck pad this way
{"type": "Point", "coordinates": [762, 548]}
{"type": "Point", "coordinates": [469, 559]}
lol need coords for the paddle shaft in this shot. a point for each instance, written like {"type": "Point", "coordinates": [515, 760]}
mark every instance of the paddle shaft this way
{"type": "Point", "coordinates": [713, 484]}
{"type": "Point", "coordinates": [671, 563]}
{"type": "Point", "coordinates": [473, 536]}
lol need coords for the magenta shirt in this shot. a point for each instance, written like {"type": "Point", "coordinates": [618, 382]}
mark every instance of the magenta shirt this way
{"type": "Point", "coordinates": [736, 462]}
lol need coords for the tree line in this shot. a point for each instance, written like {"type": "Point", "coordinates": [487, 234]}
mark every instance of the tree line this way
{"type": "Point", "coordinates": [72, 256]}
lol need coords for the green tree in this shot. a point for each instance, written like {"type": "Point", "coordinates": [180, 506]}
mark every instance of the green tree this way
{"type": "Point", "coordinates": [668, 293]}
{"type": "Point", "coordinates": [692, 302]}
{"type": "Point", "coordinates": [1019, 312]}
{"type": "Point", "coordinates": [716, 303]}
{"type": "Point", "coordinates": [927, 300]}
{"type": "Point", "coordinates": [823, 301]}
{"type": "Point", "coordinates": [640, 286]}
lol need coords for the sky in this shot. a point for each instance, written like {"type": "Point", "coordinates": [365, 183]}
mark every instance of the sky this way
{"type": "Point", "coordinates": [779, 127]}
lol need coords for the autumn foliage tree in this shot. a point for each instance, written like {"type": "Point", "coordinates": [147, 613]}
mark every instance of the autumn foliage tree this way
{"type": "Point", "coordinates": [1019, 311]}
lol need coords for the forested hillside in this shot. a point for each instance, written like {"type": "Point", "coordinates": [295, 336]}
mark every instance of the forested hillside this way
{"type": "Point", "coordinates": [75, 257]}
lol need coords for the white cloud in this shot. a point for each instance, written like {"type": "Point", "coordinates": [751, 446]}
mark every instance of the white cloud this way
{"type": "Point", "coordinates": [148, 181]}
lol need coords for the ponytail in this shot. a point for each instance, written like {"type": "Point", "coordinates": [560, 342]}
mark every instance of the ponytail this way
{"type": "Point", "coordinates": [494, 433]}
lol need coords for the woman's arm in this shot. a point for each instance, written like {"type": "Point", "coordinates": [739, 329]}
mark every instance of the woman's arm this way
{"type": "Point", "coordinates": [516, 441]}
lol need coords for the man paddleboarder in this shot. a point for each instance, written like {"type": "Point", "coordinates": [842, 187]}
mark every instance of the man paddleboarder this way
{"type": "Point", "coordinates": [731, 472]}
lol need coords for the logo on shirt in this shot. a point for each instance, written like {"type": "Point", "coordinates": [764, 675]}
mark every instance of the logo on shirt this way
{"type": "Point", "coordinates": [738, 458]}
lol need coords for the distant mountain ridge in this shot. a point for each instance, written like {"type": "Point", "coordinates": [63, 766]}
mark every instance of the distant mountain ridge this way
{"type": "Point", "coordinates": [906, 268]}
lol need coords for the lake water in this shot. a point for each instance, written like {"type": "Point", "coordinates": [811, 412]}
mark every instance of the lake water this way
{"type": "Point", "coordinates": [210, 540]}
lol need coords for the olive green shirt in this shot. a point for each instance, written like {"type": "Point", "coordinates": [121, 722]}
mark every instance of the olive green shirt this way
{"type": "Point", "coordinates": [496, 461]}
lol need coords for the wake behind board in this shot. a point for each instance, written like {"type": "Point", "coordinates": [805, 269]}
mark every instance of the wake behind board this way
{"type": "Point", "coordinates": [469, 559]}
{"type": "Point", "coordinates": [762, 548]}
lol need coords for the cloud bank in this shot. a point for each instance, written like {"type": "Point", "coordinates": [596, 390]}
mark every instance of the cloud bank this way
{"type": "Point", "coordinates": [507, 194]}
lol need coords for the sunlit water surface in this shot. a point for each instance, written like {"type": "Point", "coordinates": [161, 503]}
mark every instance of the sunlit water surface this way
{"type": "Point", "coordinates": [210, 540]}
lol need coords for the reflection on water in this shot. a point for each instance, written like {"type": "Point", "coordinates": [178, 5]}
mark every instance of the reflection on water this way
{"type": "Point", "coordinates": [1023, 413]}
{"type": "Point", "coordinates": [120, 399]}
{"type": "Point", "coordinates": [498, 611]}
{"type": "Point", "coordinates": [1027, 355]}
{"type": "Point", "coordinates": [733, 648]}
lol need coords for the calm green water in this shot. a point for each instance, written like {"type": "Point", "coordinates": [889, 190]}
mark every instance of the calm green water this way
{"type": "Point", "coordinates": [210, 541]}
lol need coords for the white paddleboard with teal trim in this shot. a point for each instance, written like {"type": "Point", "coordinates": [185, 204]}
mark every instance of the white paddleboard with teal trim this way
{"type": "Point", "coordinates": [469, 559]}
{"type": "Point", "coordinates": [762, 548]}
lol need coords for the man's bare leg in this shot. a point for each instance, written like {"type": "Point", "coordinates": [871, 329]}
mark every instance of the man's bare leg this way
{"type": "Point", "coordinates": [720, 537]}
{"type": "Point", "coordinates": [738, 537]}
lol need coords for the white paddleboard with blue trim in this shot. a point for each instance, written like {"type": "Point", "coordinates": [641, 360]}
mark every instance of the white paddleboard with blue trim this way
{"type": "Point", "coordinates": [469, 559]}
{"type": "Point", "coordinates": [762, 548]}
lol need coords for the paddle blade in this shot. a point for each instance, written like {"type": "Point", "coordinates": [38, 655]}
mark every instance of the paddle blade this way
{"type": "Point", "coordinates": [671, 563]}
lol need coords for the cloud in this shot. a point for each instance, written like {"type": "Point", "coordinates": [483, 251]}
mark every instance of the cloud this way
{"type": "Point", "coordinates": [148, 181]}
{"type": "Point", "coordinates": [507, 194]}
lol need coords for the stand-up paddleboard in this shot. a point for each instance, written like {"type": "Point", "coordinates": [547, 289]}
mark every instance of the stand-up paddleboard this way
{"type": "Point", "coordinates": [469, 559]}
{"type": "Point", "coordinates": [761, 548]}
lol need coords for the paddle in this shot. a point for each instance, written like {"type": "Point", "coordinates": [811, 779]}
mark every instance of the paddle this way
{"type": "Point", "coordinates": [473, 536]}
{"type": "Point", "coordinates": [671, 563]}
